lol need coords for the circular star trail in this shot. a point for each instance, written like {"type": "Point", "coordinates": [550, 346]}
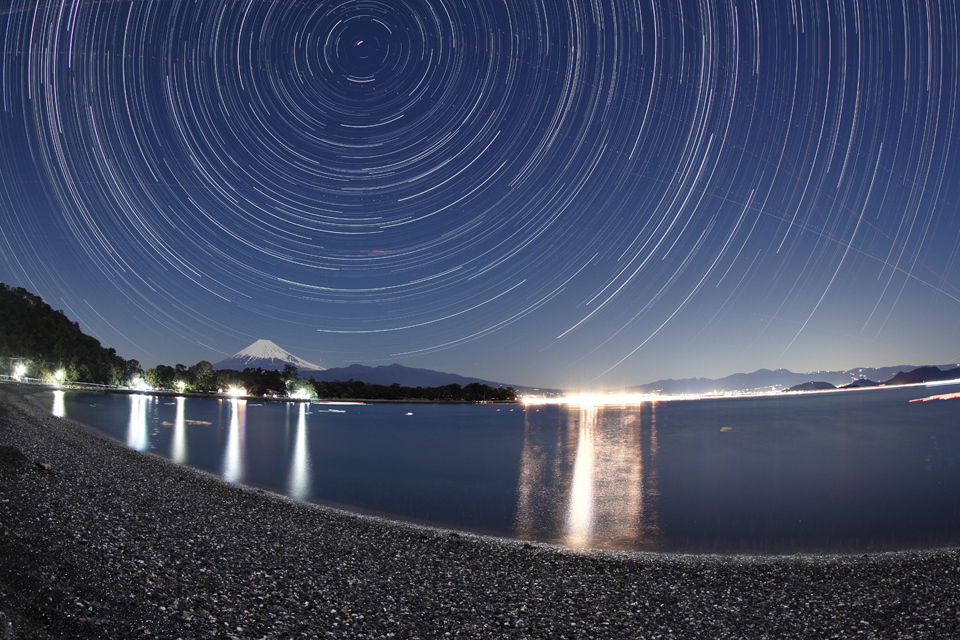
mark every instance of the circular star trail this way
{"type": "Point", "coordinates": [574, 190]}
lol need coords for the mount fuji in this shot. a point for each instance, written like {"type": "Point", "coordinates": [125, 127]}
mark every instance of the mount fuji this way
{"type": "Point", "coordinates": [265, 354]}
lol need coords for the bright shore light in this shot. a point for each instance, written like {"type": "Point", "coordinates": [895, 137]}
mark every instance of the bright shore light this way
{"type": "Point", "coordinates": [59, 375]}
{"type": "Point", "coordinates": [595, 399]}
{"type": "Point", "coordinates": [236, 392]}
{"type": "Point", "coordinates": [140, 385]}
{"type": "Point", "coordinates": [181, 385]}
{"type": "Point", "coordinates": [19, 371]}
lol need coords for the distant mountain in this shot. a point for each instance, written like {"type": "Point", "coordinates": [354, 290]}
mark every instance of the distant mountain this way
{"type": "Point", "coordinates": [778, 379]}
{"type": "Point", "coordinates": [812, 386]}
{"type": "Point", "coordinates": [266, 355]}
{"type": "Point", "coordinates": [761, 379]}
{"type": "Point", "coordinates": [861, 384]}
{"type": "Point", "coordinates": [399, 374]}
{"type": "Point", "coordinates": [924, 374]}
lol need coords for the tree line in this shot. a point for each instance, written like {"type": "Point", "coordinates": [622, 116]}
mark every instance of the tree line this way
{"type": "Point", "coordinates": [473, 392]}
{"type": "Point", "coordinates": [47, 345]}
{"type": "Point", "coordinates": [201, 378]}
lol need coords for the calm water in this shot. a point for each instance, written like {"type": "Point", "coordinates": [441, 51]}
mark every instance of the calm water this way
{"type": "Point", "coordinates": [852, 471]}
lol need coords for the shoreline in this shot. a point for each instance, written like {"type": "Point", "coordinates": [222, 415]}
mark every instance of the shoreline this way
{"type": "Point", "coordinates": [100, 541]}
{"type": "Point", "coordinates": [41, 386]}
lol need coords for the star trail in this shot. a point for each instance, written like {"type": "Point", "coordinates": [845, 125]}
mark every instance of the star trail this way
{"type": "Point", "coordinates": [564, 193]}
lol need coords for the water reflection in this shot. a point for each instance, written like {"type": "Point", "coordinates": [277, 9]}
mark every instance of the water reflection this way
{"type": "Point", "coordinates": [782, 479]}
{"type": "Point", "coordinates": [298, 482]}
{"type": "Point", "coordinates": [59, 409]}
{"type": "Point", "coordinates": [178, 448]}
{"type": "Point", "coordinates": [580, 514]}
{"type": "Point", "coordinates": [233, 459]}
{"type": "Point", "coordinates": [137, 438]}
{"type": "Point", "coordinates": [591, 481]}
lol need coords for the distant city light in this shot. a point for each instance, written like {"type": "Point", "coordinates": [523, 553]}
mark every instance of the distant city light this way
{"type": "Point", "coordinates": [595, 399]}
{"type": "Point", "coordinates": [616, 399]}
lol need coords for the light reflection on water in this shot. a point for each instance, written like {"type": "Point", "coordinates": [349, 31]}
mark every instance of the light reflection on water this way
{"type": "Point", "coordinates": [580, 510]}
{"type": "Point", "coordinates": [58, 407]}
{"type": "Point", "coordinates": [178, 448]}
{"type": "Point", "coordinates": [592, 483]}
{"type": "Point", "coordinates": [235, 453]}
{"type": "Point", "coordinates": [137, 437]}
{"type": "Point", "coordinates": [841, 472]}
{"type": "Point", "coordinates": [298, 482]}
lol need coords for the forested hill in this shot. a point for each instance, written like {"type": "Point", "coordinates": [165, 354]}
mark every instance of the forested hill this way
{"type": "Point", "coordinates": [45, 341]}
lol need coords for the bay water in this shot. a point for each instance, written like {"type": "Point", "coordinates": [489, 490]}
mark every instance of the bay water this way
{"type": "Point", "coordinates": [845, 471]}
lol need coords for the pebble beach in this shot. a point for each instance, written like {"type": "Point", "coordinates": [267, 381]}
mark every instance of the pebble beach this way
{"type": "Point", "coordinates": [97, 541]}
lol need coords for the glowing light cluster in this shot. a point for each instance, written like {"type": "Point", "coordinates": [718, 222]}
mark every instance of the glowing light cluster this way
{"type": "Point", "coordinates": [597, 399]}
{"type": "Point", "coordinates": [300, 394]}
{"type": "Point", "coordinates": [141, 385]}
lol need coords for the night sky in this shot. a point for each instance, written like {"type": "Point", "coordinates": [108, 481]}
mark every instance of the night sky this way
{"type": "Point", "coordinates": [541, 192]}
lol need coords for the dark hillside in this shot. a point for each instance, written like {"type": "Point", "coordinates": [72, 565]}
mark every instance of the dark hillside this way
{"type": "Point", "coordinates": [45, 340]}
{"type": "Point", "coordinates": [812, 386]}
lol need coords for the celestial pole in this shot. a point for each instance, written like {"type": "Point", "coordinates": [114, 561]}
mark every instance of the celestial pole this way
{"type": "Point", "coordinates": [592, 191]}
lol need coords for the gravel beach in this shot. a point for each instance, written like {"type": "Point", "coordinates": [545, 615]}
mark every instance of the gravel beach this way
{"type": "Point", "coordinates": [97, 541]}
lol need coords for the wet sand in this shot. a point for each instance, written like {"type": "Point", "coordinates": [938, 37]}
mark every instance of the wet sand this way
{"type": "Point", "coordinates": [97, 541]}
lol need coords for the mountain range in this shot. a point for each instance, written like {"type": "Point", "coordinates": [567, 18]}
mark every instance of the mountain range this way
{"type": "Point", "coordinates": [778, 379]}
{"type": "Point", "coordinates": [399, 374]}
{"type": "Point", "coordinates": [267, 355]}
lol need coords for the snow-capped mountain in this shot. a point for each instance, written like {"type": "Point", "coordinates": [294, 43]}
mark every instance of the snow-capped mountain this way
{"type": "Point", "coordinates": [265, 354]}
